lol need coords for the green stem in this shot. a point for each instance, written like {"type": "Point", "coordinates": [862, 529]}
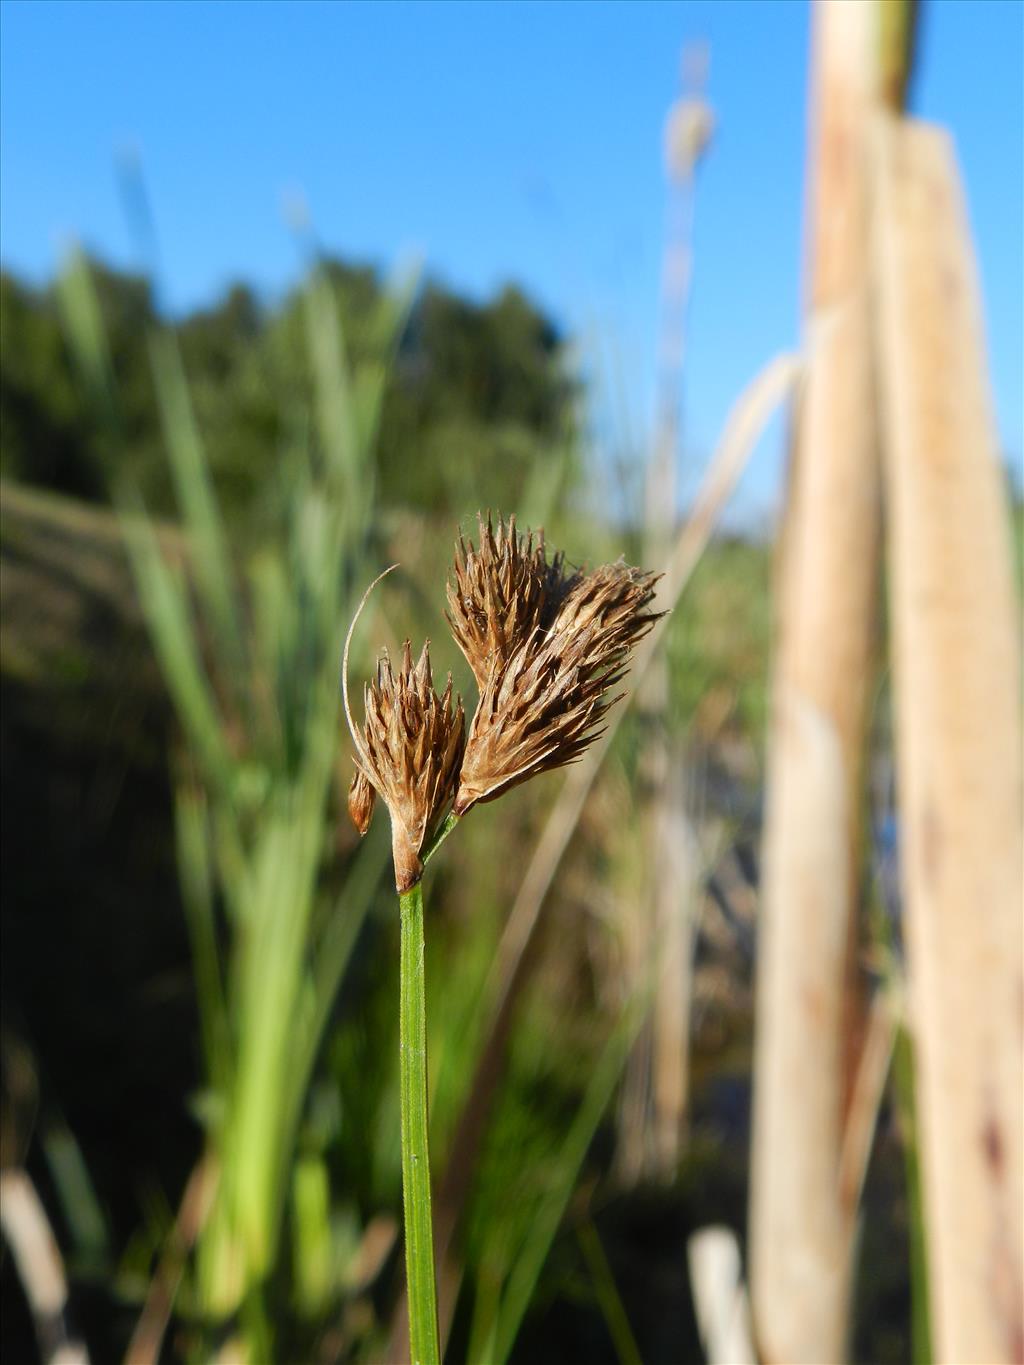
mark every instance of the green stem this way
{"type": "Point", "coordinates": [441, 836]}
{"type": "Point", "coordinates": [419, 1235]}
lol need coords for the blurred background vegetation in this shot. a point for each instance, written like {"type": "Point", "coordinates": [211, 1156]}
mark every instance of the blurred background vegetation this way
{"type": "Point", "coordinates": [106, 1004]}
{"type": "Point", "coordinates": [200, 958]}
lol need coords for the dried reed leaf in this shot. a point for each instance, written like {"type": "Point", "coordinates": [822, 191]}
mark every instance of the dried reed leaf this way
{"type": "Point", "coordinates": [808, 1007]}
{"type": "Point", "coordinates": [957, 687]}
{"type": "Point", "coordinates": [37, 1260]}
{"type": "Point", "coordinates": [719, 1297]}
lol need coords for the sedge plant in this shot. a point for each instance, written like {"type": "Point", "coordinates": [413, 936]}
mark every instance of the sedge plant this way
{"type": "Point", "coordinates": [546, 646]}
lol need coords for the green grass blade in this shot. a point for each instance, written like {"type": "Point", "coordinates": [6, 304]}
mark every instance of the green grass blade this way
{"type": "Point", "coordinates": [195, 873]}
{"type": "Point", "coordinates": [334, 949]}
{"type": "Point", "coordinates": [903, 1088]}
{"type": "Point", "coordinates": [165, 603]}
{"type": "Point", "coordinates": [332, 384]}
{"type": "Point", "coordinates": [311, 1233]}
{"type": "Point", "coordinates": [527, 1270]}
{"type": "Point", "coordinates": [79, 1204]}
{"type": "Point", "coordinates": [87, 338]}
{"type": "Point", "coordinates": [195, 493]}
{"type": "Point", "coordinates": [608, 1296]}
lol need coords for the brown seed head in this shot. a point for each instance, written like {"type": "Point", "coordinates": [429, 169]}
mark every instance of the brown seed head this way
{"type": "Point", "coordinates": [499, 593]}
{"type": "Point", "coordinates": [408, 751]}
{"type": "Point", "coordinates": [538, 708]}
{"type": "Point", "coordinates": [361, 800]}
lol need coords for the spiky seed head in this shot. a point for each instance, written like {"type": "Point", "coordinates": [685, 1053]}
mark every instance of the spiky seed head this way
{"type": "Point", "coordinates": [540, 707]}
{"type": "Point", "coordinates": [499, 593]}
{"type": "Point", "coordinates": [361, 800]}
{"type": "Point", "coordinates": [409, 750]}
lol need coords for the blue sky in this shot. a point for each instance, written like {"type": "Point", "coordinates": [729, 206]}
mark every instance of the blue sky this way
{"type": "Point", "coordinates": [496, 142]}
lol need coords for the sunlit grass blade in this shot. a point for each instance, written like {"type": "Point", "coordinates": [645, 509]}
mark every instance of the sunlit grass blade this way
{"type": "Point", "coordinates": [87, 337]}
{"type": "Point", "coordinates": [311, 1233]}
{"type": "Point", "coordinates": [196, 497]}
{"type": "Point", "coordinates": [369, 382]}
{"type": "Point", "coordinates": [332, 385]}
{"type": "Point", "coordinates": [322, 980]}
{"type": "Point", "coordinates": [164, 597]}
{"type": "Point", "coordinates": [196, 874]}
{"type": "Point", "coordinates": [334, 947]}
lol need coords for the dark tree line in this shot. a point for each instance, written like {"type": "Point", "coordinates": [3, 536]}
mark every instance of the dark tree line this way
{"type": "Point", "coordinates": [475, 392]}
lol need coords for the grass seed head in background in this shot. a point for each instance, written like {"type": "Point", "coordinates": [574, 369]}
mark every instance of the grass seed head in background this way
{"type": "Point", "coordinates": [545, 686]}
{"type": "Point", "coordinates": [409, 752]}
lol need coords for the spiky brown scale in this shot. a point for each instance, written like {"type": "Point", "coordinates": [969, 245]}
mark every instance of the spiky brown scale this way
{"type": "Point", "coordinates": [539, 706]}
{"type": "Point", "coordinates": [409, 750]}
{"type": "Point", "coordinates": [361, 800]}
{"type": "Point", "coordinates": [500, 593]}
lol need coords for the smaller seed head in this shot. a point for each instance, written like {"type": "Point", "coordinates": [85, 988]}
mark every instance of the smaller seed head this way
{"type": "Point", "coordinates": [409, 750]}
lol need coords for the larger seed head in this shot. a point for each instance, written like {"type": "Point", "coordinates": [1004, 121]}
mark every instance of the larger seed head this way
{"type": "Point", "coordinates": [541, 705]}
{"type": "Point", "coordinates": [499, 594]}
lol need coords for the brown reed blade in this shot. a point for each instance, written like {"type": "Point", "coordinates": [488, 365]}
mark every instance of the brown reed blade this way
{"type": "Point", "coordinates": [956, 669]}
{"type": "Point", "coordinates": [809, 1008]}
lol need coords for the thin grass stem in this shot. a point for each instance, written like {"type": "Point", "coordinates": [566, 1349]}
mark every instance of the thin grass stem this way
{"type": "Point", "coordinates": [424, 1343]}
{"type": "Point", "coordinates": [608, 1297]}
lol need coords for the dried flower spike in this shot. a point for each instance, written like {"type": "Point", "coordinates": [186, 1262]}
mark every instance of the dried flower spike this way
{"type": "Point", "coordinates": [499, 594]}
{"type": "Point", "coordinates": [540, 707]}
{"type": "Point", "coordinates": [409, 751]}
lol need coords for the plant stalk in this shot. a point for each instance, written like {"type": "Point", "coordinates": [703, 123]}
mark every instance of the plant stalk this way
{"type": "Point", "coordinates": [442, 834]}
{"type": "Point", "coordinates": [419, 1235]}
